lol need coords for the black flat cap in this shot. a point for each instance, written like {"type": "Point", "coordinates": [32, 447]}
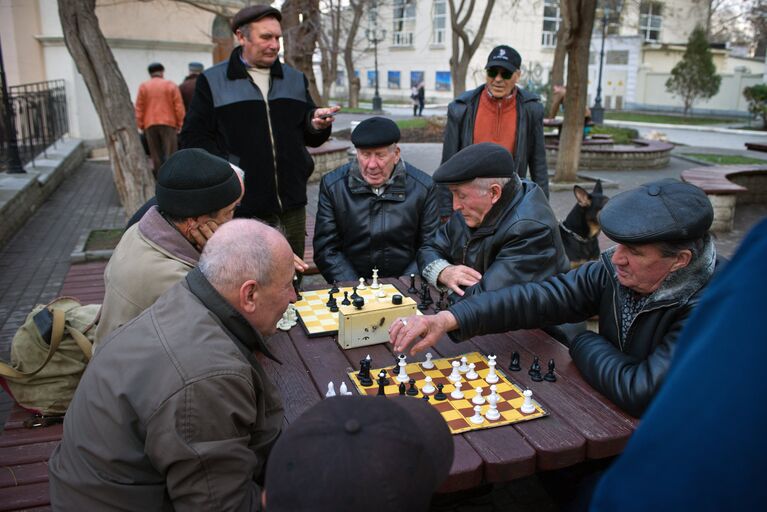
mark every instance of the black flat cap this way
{"type": "Point", "coordinates": [193, 182]}
{"type": "Point", "coordinates": [483, 160]}
{"type": "Point", "coordinates": [362, 453]}
{"type": "Point", "coordinates": [375, 132]}
{"type": "Point", "coordinates": [661, 211]}
{"type": "Point", "coordinates": [504, 57]}
{"type": "Point", "coordinates": [154, 67]}
{"type": "Point", "coordinates": [254, 13]}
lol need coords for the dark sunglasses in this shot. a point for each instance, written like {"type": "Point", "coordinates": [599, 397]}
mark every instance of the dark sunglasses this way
{"type": "Point", "coordinates": [505, 74]}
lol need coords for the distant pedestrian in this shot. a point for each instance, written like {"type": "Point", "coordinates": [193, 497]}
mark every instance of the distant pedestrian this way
{"type": "Point", "coordinates": [421, 97]}
{"type": "Point", "coordinates": [187, 86]}
{"type": "Point", "coordinates": [414, 98]}
{"type": "Point", "coordinates": [160, 114]}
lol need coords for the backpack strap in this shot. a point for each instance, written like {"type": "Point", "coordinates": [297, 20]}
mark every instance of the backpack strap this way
{"type": "Point", "coordinates": [84, 343]}
{"type": "Point", "coordinates": [57, 333]}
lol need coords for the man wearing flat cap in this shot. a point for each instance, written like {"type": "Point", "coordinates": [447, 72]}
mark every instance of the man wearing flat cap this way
{"type": "Point", "coordinates": [374, 212]}
{"type": "Point", "coordinates": [190, 82]}
{"type": "Point", "coordinates": [643, 290]}
{"type": "Point", "coordinates": [499, 111]}
{"type": "Point", "coordinates": [159, 114]}
{"type": "Point", "coordinates": [257, 113]}
{"type": "Point", "coordinates": [502, 230]}
{"type": "Point", "coordinates": [196, 193]}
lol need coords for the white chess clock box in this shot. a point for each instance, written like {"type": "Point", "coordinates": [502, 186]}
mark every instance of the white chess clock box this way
{"type": "Point", "coordinates": [370, 325]}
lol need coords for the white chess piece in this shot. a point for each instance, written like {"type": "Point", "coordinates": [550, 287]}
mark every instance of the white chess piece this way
{"type": "Point", "coordinates": [477, 419]}
{"type": "Point", "coordinates": [472, 374]}
{"type": "Point", "coordinates": [492, 377]}
{"type": "Point", "coordinates": [427, 365]}
{"type": "Point", "coordinates": [527, 406]}
{"type": "Point", "coordinates": [457, 393]}
{"type": "Point", "coordinates": [402, 375]}
{"type": "Point", "coordinates": [478, 398]}
{"type": "Point", "coordinates": [361, 286]}
{"type": "Point", "coordinates": [374, 285]}
{"type": "Point", "coordinates": [343, 390]}
{"type": "Point", "coordinates": [464, 367]}
{"type": "Point", "coordinates": [381, 293]}
{"type": "Point", "coordinates": [331, 390]}
{"type": "Point", "coordinates": [493, 389]}
{"type": "Point", "coordinates": [428, 387]}
{"type": "Point", "coordinates": [492, 413]}
{"type": "Point", "coordinates": [456, 375]}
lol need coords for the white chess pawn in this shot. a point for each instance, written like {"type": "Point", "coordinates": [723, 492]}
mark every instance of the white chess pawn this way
{"type": "Point", "coordinates": [527, 406]}
{"type": "Point", "coordinates": [457, 393]}
{"type": "Point", "coordinates": [456, 375]}
{"type": "Point", "coordinates": [493, 389]}
{"type": "Point", "coordinates": [492, 413]}
{"type": "Point", "coordinates": [428, 388]}
{"type": "Point", "coordinates": [361, 286]}
{"type": "Point", "coordinates": [427, 365]}
{"type": "Point", "coordinates": [492, 377]}
{"type": "Point", "coordinates": [381, 293]}
{"type": "Point", "coordinates": [374, 285]}
{"type": "Point", "coordinates": [472, 374]}
{"type": "Point", "coordinates": [402, 376]}
{"type": "Point", "coordinates": [478, 398]}
{"type": "Point", "coordinates": [343, 390]}
{"type": "Point", "coordinates": [464, 367]}
{"type": "Point", "coordinates": [331, 390]}
{"type": "Point", "coordinates": [477, 419]}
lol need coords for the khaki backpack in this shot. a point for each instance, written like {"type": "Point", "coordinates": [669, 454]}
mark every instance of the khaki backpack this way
{"type": "Point", "coordinates": [46, 366]}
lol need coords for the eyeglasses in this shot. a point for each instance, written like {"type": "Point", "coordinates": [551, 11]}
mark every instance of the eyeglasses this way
{"type": "Point", "coordinates": [505, 73]}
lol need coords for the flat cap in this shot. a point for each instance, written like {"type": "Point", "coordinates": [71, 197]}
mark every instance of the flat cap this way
{"type": "Point", "coordinates": [196, 66]}
{"type": "Point", "coordinates": [193, 182]}
{"type": "Point", "coordinates": [254, 13]}
{"type": "Point", "coordinates": [504, 57]}
{"type": "Point", "coordinates": [661, 211]}
{"type": "Point", "coordinates": [361, 453]}
{"type": "Point", "coordinates": [375, 132]}
{"type": "Point", "coordinates": [483, 160]}
{"type": "Point", "coordinates": [154, 67]}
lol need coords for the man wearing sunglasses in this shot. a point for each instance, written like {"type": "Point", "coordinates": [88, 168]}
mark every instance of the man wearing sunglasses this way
{"type": "Point", "coordinates": [499, 112]}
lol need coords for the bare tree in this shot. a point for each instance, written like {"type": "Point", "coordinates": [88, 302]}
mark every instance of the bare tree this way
{"type": "Point", "coordinates": [300, 32]}
{"type": "Point", "coordinates": [94, 60]}
{"type": "Point", "coordinates": [464, 46]}
{"type": "Point", "coordinates": [579, 15]}
{"type": "Point", "coordinates": [353, 81]}
{"type": "Point", "coordinates": [329, 43]}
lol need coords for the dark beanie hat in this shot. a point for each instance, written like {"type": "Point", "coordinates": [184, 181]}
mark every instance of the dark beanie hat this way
{"type": "Point", "coordinates": [254, 13]}
{"type": "Point", "coordinates": [360, 453]}
{"type": "Point", "coordinates": [483, 160]}
{"type": "Point", "coordinates": [375, 132]}
{"type": "Point", "coordinates": [154, 67]}
{"type": "Point", "coordinates": [661, 211]}
{"type": "Point", "coordinates": [193, 182]}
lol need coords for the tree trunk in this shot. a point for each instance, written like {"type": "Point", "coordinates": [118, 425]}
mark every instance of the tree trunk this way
{"type": "Point", "coordinates": [130, 167]}
{"type": "Point", "coordinates": [560, 51]}
{"type": "Point", "coordinates": [581, 22]}
{"type": "Point", "coordinates": [464, 48]}
{"type": "Point", "coordinates": [329, 42]}
{"type": "Point", "coordinates": [352, 80]}
{"type": "Point", "coordinates": [300, 35]}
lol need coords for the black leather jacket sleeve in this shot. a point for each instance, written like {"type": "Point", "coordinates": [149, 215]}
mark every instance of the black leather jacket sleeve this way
{"type": "Point", "coordinates": [435, 248]}
{"type": "Point", "coordinates": [539, 172]}
{"type": "Point", "coordinates": [313, 138]}
{"type": "Point", "coordinates": [328, 251]}
{"type": "Point", "coordinates": [430, 225]}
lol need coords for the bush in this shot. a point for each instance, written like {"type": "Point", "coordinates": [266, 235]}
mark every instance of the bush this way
{"type": "Point", "coordinates": [757, 101]}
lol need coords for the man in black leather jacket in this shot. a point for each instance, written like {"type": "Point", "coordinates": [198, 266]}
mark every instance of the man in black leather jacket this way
{"type": "Point", "coordinates": [502, 231]}
{"type": "Point", "coordinates": [374, 212]}
{"type": "Point", "coordinates": [643, 290]}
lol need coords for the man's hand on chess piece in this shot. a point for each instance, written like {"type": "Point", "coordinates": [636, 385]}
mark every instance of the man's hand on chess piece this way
{"type": "Point", "coordinates": [457, 276]}
{"type": "Point", "coordinates": [299, 264]}
{"type": "Point", "coordinates": [420, 332]}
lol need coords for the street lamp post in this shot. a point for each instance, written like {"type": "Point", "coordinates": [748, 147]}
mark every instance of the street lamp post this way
{"type": "Point", "coordinates": [597, 111]}
{"type": "Point", "coordinates": [376, 36]}
{"type": "Point", "coordinates": [14, 160]}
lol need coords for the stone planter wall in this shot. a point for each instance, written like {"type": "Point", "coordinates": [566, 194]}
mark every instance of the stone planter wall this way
{"type": "Point", "coordinates": [646, 154]}
{"type": "Point", "coordinates": [329, 156]}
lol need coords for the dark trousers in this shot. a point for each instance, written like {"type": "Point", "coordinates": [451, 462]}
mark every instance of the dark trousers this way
{"type": "Point", "coordinates": [162, 142]}
{"type": "Point", "coordinates": [292, 223]}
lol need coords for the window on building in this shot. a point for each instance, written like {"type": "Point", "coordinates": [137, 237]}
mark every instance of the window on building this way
{"type": "Point", "coordinates": [442, 81]}
{"type": "Point", "coordinates": [341, 77]}
{"type": "Point", "coordinates": [404, 22]}
{"type": "Point", "coordinates": [552, 17]}
{"type": "Point", "coordinates": [371, 78]}
{"type": "Point", "coordinates": [617, 57]}
{"type": "Point", "coordinates": [650, 17]}
{"type": "Point", "coordinates": [416, 77]}
{"type": "Point", "coordinates": [439, 22]}
{"type": "Point", "coordinates": [392, 80]}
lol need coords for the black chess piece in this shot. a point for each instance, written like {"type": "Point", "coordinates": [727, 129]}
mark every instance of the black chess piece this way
{"type": "Point", "coordinates": [439, 395]}
{"type": "Point", "coordinates": [514, 366]}
{"type": "Point", "coordinates": [335, 287]}
{"type": "Point", "coordinates": [381, 386]}
{"type": "Point", "coordinates": [426, 294]}
{"type": "Point", "coordinates": [361, 373]}
{"type": "Point", "coordinates": [402, 388]}
{"type": "Point", "coordinates": [412, 390]}
{"type": "Point", "coordinates": [296, 288]}
{"type": "Point", "coordinates": [395, 370]}
{"type": "Point", "coordinates": [364, 374]}
{"type": "Point", "coordinates": [536, 376]}
{"type": "Point", "coordinates": [426, 397]}
{"type": "Point", "coordinates": [382, 376]}
{"type": "Point", "coordinates": [329, 303]}
{"type": "Point", "coordinates": [442, 301]}
{"type": "Point", "coordinates": [346, 301]}
{"type": "Point", "coordinates": [550, 377]}
{"type": "Point", "coordinates": [359, 302]}
{"type": "Point", "coordinates": [535, 367]}
{"type": "Point", "coordinates": [412, 288]}
{"type": "Point", "coordinates": [354, 294]}
{"type": "Point", "coordinates": [334, 308]}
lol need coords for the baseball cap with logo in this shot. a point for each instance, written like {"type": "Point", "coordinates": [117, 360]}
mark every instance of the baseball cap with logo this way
{"type": "Point", "coordinates": [504, 57]}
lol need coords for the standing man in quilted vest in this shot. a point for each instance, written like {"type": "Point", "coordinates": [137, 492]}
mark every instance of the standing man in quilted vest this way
{"type": "Point", "coordinates": [257, 113]}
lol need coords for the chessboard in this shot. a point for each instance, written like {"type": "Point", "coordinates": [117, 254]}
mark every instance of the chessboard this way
{"type": "Point", "coordinates": [317, 318]}
{"type": "Point", "coordinates": [457, 412]}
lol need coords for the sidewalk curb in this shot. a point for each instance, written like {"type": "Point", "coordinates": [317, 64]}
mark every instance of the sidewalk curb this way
{"type": "Point", "coordinates": [697, 128]}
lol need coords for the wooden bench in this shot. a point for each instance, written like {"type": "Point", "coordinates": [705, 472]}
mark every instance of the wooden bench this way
{"type": "Point", "coordinates": [728, 185]}
{"type": "Point", "coordinates": [756, 146]}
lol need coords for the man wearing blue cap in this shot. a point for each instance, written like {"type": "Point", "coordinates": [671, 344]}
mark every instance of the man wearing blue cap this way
{"type": "Point", "coordinates": [190, 81]}
{"type": "Point", "coordinates": [643, 290]}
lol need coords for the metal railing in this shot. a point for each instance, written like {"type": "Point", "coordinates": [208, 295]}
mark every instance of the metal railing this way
{"type": "Point", "coordinates": [38, 114]}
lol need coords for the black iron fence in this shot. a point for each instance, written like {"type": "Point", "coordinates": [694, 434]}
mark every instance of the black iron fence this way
{"type": "Point", "coordinates": [39, 117]}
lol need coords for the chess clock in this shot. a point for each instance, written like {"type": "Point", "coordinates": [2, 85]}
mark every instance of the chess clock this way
{"type": "Point", "coordinates": [370, 324]}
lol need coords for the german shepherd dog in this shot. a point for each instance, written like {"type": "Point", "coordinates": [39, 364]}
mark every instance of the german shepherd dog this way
{"type": "Point", "coordinates": [581, 227]}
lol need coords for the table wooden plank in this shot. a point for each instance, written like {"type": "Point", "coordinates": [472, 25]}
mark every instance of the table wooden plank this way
{"type": "Point", "coordinates": [24, 454]}
{"type": "Point", "coordinates": [22, 436]}
{"type": "Point", "coordinates": [24, 496]}
{"type": "Point", "coordinates": [23, 474]}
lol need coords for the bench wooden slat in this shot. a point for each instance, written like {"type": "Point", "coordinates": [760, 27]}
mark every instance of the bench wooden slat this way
{"type": "Point", "coordinates": [24, 497]}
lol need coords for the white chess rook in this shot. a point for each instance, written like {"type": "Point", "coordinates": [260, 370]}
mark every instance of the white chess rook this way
{"type": "Point", "coordinates": [527, 406]}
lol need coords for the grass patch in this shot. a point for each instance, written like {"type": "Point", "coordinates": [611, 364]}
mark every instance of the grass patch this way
{"type": "Point", "coordinates": [667, 119]}
{"type": "Point", "coordinates": [725, 159]}
{"type": "Point", "coordinates": [619, 135]}
{"type": "Point", "coordinates": [103, 239]}
{"type": "Point", "coordinates": [418, 122]}
{"type": "Point", "coordinates": [349, 110]}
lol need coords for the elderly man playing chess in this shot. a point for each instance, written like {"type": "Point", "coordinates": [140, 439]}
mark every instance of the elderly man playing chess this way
{"type": "Point", "coordinates": [374, 212]}
{"type": "Point", "coordinates": [643, 290]}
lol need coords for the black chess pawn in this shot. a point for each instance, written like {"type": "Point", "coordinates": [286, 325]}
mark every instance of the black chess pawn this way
{"type": "Point", "coordinates": [535, 367]}
{"type": "Point", "coordinates": [514, 366]}
{"type": "Point", "coordinates": [334, 308]}
{"type": "Point", "coordinates": [395, 370]}
{"type": "Point", "coordinates": [382, 376]}
{"type": "Point", "coordinates": [359, 302]}
{"type": "Point", "coordinates": [296, 288]}
{"type": "Point", "coordinates": [427, 294]}
{"type": "Point", "coordinates": [346, 301]}
{"type": "Point", "coordinates": [412, 288]}
{"type": "Point", "coordinates": [335, 287]}
{"type": "Point", "coordinates": [402, 389]}
{"type": "Point", "coordinates": [550, 377]}
{"type": "Point", "coordinates": [329, 303]}
{"type": "Point", "coordinates": [536, 376]}
{"type": "Point", "coordinates": [439, 395]}
{"type": "Point", "coordinates": [354, 294]}
{"type": "Point", "coordinates": [381, 387]}
{"type": "Point", "coordinates": [412, 390]}
{"type": "Point", "coordinates": [426, 397]}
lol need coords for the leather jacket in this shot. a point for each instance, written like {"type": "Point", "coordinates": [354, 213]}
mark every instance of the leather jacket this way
{"type": "Point", "coordinates": [628, 371]}
{"type": "Point", "coordinates": [518, 241]}
{"type": "Point", "coordinates": [357, 230]}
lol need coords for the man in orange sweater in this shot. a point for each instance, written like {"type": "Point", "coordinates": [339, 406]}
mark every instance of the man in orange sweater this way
{"type": "Point", "coordinates": [160, 114]}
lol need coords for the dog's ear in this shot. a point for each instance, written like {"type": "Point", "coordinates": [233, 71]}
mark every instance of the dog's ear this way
{"type": "Point", "coordinates": [582, 196]}
{"type": "Point", "coordinates": [597, 188]}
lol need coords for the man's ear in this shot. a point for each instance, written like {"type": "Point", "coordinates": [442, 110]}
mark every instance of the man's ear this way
{"type": "Point", "coordinates": [683, 259]}
{"type": "Point", "coordinates": [495, 192]}
{"type": "Point", "coordinates": [249, 296]}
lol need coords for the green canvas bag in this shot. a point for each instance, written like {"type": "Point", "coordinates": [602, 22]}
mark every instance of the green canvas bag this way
{"type": "Point", "coordinates": [42, 375]}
